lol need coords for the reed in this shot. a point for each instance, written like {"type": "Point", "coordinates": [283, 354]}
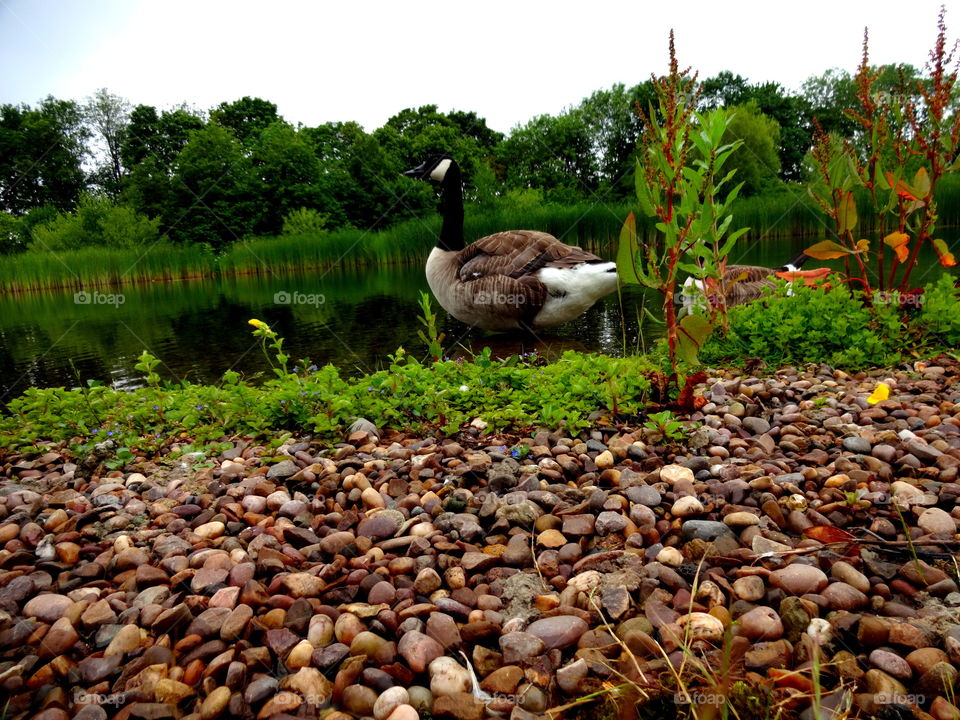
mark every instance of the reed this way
{"type": "Point", "coordinates": [95, 267]}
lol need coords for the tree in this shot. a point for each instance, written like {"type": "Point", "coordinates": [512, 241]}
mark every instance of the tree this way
{"type": "Point", "coordinates": [286, 174]}
{"type": "Point", "coordinates": [212, 190]}
{"type": "Point", "coordinates": [554, 154]}
{"type": "Point", "coordinates": [161, 136]}
{"type": "Point", "coordinates": [413, 135]}
{"type": "Point", "coordinates": [756, 160]}
{"type": "Point", "coordinates": [725, 90]}
{"type": "Point", "coordinates": [108, 117]}
{"type": "Point", "coordinates": [246, 117]}
{"type": "Point", "coordinates": [828, 96]}
{"type": "Point", "coordinates": [614, 125]}
{"type": "Point", "coordinates": [41, 153]}
{"type": "Point", "coordinates": [97, 222]}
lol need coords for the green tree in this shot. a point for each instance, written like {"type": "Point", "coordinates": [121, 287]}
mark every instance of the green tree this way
{"type": "Point", "coordinates": [246, 117]}
{"type": "Point", "coordinates": [211, 190]}
{"type": "Point", "coordinates": [286, 172]}
{"type": "Point", "coordinates": [161, 136]}
{"type": "Point", "coordinates": [41, 153]}
{"type": "Point", "coordinates": [554, 154]}
{"type": "Point", "coordinates": [756, 160]}
{"type": "Point", "coordinates": [108, 116]}
{"type": "Point", "coordinates": [413, 135]}
{"type": "Point", "coordinates": [11, 234]}
{"type": "Point", "coordinates": [828, 96]}
{"type": "Point", "coordinates": [725, 90]}
{"type": "Point", "coordinates": [614, 124]}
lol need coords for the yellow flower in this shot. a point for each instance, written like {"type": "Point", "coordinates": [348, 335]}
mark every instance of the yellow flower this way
{"type": "Point", "coordinates": [258, 324]}
{"type": "Point", "coordinates": [881, 393]}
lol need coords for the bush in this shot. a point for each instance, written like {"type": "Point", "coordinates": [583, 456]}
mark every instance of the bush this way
{"type": "Point", "coordinates": [97, 222]}
{"type": "Point", "coordinates": [304, 221]}
{"type": "Point", "coordinates": [940, 313]}
{"type": "Point", "coordinates": [812, 325]}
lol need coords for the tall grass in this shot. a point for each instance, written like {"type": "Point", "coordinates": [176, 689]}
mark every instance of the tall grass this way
{"type": "Point", "coordinates": [594, 225]}
{"type": "Point", "coordinates": [92, 267]}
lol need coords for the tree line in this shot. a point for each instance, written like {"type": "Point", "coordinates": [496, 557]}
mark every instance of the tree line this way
{"type": "Point", "coordinates": [105, 173]}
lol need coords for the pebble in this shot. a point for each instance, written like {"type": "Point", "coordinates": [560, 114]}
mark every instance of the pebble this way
{"type": "Point", "coordinates": [799, 579]}
{"type": "Point", "coordinates": [373, 577]}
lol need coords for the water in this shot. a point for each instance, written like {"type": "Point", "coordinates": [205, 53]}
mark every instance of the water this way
{"type": "Point", "coordinates": [354, 319]}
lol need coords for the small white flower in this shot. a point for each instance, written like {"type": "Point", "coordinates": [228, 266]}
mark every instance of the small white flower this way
{"type": "Point", "coordinates": [464, 388]}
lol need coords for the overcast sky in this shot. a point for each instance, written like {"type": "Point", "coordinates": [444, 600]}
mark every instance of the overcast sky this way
{"type": "Point", "coordinates": [365, 60]}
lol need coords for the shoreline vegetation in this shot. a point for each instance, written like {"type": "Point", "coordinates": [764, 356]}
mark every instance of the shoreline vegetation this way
{"type": "Point", "coordinates": [594, 226]}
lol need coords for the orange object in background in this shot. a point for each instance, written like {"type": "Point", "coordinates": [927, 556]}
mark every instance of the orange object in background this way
{"type": "Point", "coordinates": [811, 278]}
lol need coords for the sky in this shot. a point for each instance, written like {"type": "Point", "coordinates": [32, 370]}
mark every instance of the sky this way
{"type": "Point", "coordinates": [365, 60]}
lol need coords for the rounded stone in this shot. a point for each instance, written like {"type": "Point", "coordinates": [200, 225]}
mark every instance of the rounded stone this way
{"type": "Point", "coordinates": [448, 677]}
{"type": "Point", "coordinates": [389, 700]}
{"type": "Point", "coordinates": [845, 572]}
{"type": "Point", "coordinates": [935, 521]}
{"type": "Point", "coordinates": [749, 588]}
{"type": "Point", "coordinates": [799, 579]}
{"type": "Point", "coordinates": [559, 631]}
{"type": "Point", "coordinates": [686, 506]}
{"type": "Point", "coordinates": [761, 623]}
{"type": "Point", "coordinates": [891, 663]}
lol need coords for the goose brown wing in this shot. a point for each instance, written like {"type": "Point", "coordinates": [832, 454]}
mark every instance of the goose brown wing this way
{"type": "Point", "coordinates": [502, 298]}
{"type": "Point", "coordinates": [518, 253]}
{"type": "Point", "coordinates": [746, 273]}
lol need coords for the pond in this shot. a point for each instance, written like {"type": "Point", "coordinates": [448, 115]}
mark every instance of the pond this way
{"type": "Point", "coordinates": [354, 319]}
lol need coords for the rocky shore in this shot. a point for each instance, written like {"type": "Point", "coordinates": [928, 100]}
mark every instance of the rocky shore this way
{"type": "Point", "coordinates": [794, 555]}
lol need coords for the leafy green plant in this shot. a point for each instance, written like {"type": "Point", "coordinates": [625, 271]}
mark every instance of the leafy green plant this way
{"type": "Point", "coordinates": [147, 364]}
{"type": "Point", "coordinates": [811, 325]}
{"type": "Point", "coordinates": [266, 334]}
{"type": "Point", "coordinates": [940, 311]}
{"type": "Point", "coordinates": [909, 142]}
{"type": "Point", "coordinates": [513, 393]}
{"type": "Point", "coordinates": [430, 336]}
{"type": "Point", "coordinates": [679, 184]}
{"type": "Point", "coordinates": [666, 425]}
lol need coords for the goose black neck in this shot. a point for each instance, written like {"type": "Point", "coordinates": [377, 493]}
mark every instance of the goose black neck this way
{"type": "Point", "coordinates": [799, 260]}
{"type": "Point", "coordinates": [451, 209]}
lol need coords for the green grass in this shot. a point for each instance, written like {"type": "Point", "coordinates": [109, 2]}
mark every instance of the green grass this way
{"type": "Point", "coordinates": [594, 225]}
{"type": "Point", "coordinates": [99, 267]}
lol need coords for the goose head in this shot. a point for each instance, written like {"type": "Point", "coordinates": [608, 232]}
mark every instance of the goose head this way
{"type": "Point", "coordinates": [435, 169]}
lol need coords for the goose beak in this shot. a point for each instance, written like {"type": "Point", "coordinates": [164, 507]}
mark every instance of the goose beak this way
{"type": "Point", "coordinates": [417, 172]}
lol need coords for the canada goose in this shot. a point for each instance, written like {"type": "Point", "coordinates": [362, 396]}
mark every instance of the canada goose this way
{"type": "Point", "coordinates": [519, 279]}
{"type": "Point", "coordinates": [743, 283]}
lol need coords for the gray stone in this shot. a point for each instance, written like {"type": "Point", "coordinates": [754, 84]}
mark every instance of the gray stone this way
{"type": "Point", "coordinates": [708, 530]}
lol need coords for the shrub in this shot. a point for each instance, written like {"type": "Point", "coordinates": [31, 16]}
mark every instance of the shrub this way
{"type": "Point", "coordinates": [304, 221]}
{"type": "Point", "coordinates": [97, 222]}
{"type": "Point", "coordinates": [940, 313]}
{"type": "Point", "coordinates": [810, 325]}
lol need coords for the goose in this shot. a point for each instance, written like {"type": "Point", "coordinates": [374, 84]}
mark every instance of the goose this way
{"type": "Point", "coordinates": [742, 283]}
{"type": "Point", "coordinates": [513, 280]}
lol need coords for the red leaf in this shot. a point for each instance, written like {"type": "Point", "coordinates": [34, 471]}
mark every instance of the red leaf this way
{"type": "Point", "coordinates": [946, 257]}
{"type": "Point", "coordinates": [686, 403]}
{"type": "Point", "coordinates": [828, 534]}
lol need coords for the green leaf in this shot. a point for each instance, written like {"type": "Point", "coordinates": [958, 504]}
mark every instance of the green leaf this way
{"type": "Point", "coordinates": [692, 333]}
{"type": "Point", "coordinates": [627, 252]}
{"type": "Point", "coordinates": [827, 250]}
{"type": "Point", "coordinates": [921, 183]}
{"type": "Point", "coordinates": [847, 213]}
